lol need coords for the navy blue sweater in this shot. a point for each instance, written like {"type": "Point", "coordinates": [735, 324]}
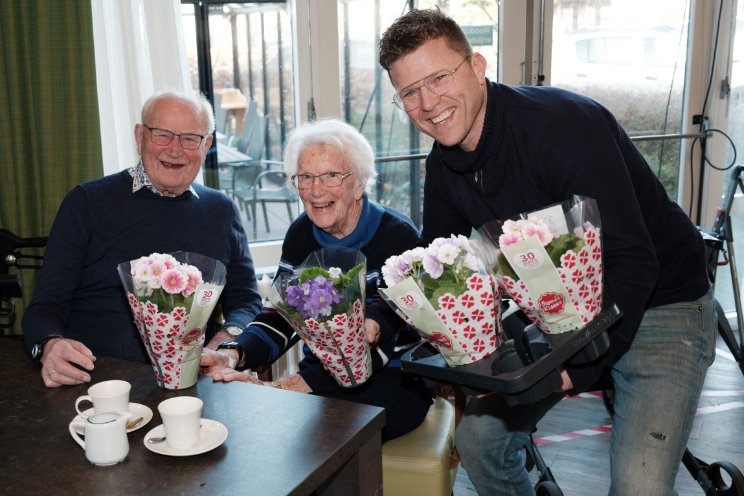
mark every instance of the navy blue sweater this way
{"type": "Point", "coordinates": [540, 146]}
{"type": "Point", "coordinates": [101, 224]}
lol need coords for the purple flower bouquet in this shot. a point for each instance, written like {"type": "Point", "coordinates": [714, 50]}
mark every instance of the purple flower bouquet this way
{"type": "Point", "coordinates": [323, 301]}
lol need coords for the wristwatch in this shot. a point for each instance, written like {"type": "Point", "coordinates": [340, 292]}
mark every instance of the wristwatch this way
{"type": "Point", "coordinates": [38, 349]}
{"type": "Point", "coordinates": [232, 330]}
{"type": "Point", "coordinates": [233, 345]}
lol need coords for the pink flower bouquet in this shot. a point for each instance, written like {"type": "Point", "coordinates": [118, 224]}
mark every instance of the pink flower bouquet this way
{"type": "Point", "coordinates": [442, 292]}
{"type": "Point", "coordinates": [550, 263]}
{"type": "Point", "coordinates": [172, 297]}
{"type": "Point", "coordinates": [323, 301]}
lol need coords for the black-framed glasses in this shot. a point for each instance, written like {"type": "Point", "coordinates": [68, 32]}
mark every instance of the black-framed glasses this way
{"type": "Point", "coordinates": [439, 83]}
{"type": "Point", "coordinates": [163, 137]}
{"type": "Point", "coordinates": [328, 179]}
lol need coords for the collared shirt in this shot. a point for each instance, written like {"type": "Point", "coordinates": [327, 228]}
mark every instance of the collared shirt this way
{"type": "Point", "coordinates": [141, 180]}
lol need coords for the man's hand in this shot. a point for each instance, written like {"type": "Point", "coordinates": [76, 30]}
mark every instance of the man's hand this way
{"type": "Point", "coordinates": [372, 330]}
{"type": "Point", "coordinates": [62, 361]}
{"type": "Point", "coordinates": [567, 384]}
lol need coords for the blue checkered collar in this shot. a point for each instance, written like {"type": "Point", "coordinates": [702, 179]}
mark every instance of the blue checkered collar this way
{"type": "Point", "coordinates": [140, 180]}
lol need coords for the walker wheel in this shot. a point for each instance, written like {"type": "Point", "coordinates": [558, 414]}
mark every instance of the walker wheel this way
{"type": "Point", "coordinates": [735, 485]}
{"type": "Point", "coordinates": [548, 488]}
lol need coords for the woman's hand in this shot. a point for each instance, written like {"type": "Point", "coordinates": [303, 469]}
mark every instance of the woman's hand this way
{"type": "Point", "coordinates": [372, 330]}
{"type": "Point", "coordinates": [293, 382]}
{"type": "Point", "coordinates": [212, 362]}
{"type": "Point", "coordinates": [230, 375]}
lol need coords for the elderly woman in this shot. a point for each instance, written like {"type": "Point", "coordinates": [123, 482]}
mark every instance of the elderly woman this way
{"type": "Point", "coordinates": [332, 165]}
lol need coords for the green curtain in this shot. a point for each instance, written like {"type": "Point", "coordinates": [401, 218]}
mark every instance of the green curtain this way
{"type": "Point", "coordinates": [49, 125]}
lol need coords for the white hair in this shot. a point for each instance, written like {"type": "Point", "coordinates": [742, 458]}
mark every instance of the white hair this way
{"type": "Point", "coordinates": [340, 135]}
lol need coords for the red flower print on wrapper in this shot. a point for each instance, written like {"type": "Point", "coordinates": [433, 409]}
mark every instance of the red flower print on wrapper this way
{"type": "Point", "coordinates": [447, 302]}
{"type": "Point", "coordinates": [486, 298]}
{"type": "Point", "coordinates": [475, 283]}
{"type": "Point", "coordinates": [178, 313]}
{"type": "Point", "coordinates": [467, 300]}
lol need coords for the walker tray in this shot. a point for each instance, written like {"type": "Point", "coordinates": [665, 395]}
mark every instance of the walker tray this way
{"type": "Point", "coordinates": [523, 369]}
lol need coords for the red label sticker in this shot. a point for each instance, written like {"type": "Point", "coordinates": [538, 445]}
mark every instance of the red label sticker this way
{"type": "Point", "coordinates": [552, 303]}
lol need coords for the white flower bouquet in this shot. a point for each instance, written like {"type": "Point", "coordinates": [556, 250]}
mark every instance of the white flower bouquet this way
{"type": "Point", "coordinates": [443, 292]}
{"type": "Point", "coordinates": [549, 262]}
{"type": "Point", "coordinates": [323, 301]}
{"type": "Point", "coordinates": [172, 296]}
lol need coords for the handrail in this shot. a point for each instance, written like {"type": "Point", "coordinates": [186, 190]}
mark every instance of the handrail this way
{"type": "Point", "coordinates": [649, 137]}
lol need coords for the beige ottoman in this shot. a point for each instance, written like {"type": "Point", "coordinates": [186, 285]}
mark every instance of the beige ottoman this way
{"type": "Point", "coordinates": [419, 462]}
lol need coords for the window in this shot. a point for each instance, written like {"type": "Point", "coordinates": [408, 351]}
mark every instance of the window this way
{"type": "Point", "coordinates": [633, 64]}
{"type": "Point", "coordinates": [249, 75]}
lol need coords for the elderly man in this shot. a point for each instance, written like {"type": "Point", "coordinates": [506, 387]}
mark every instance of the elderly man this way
{"type": "Point", "coordinates": [79, 309]}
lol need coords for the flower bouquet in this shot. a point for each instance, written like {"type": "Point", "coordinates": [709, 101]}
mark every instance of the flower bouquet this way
{"type": "Point", "coordinates": [172, 297]}
{"type": "Point", "coordinates": [549, 262]}
{"type": "Point", "coordinates": [442, 292]}
{"type": "Point", "coordinates": [323, 301]}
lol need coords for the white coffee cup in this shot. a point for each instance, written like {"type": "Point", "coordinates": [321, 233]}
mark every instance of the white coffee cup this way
{"type": "Point", "coordinates": [181, 421]}
{"type": "Point", "coordinates": [107, 396]}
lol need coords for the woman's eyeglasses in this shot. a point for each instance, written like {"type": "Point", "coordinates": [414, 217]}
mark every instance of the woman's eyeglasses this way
{"type": "Point", "coordinates": [329, 179]}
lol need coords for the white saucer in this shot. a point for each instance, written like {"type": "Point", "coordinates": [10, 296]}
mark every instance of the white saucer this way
{"type": "Point", "coordinates": [211, 435]}
{"type": "Point", "coordinates": [135, 409]}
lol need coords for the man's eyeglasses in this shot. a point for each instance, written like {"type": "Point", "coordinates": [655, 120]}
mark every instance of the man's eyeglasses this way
{"type": "Point", "coordinates": [163, 137]}
{"type": "Point", "coordinates": [438, 83]}
{"type": "Point", "coordinates": [329, 179]}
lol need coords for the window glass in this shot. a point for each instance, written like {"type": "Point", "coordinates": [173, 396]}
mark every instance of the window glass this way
{"type": "Point", "coordinates": [724, 285]}
{"type": "Point", "coordinates": [633, 64]}
{"type": "Point", "coordinates": [367, 94]}
{"type": "Point", "coordinates": [736, 98]}
{"type": "Point", "coordinates": [250, 49]}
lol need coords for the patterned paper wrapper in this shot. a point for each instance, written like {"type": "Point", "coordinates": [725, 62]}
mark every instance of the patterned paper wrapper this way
{"type": "Point", "coordinates": [561, 293]}
{"type": "Point", "coordinates": [338, 340]}
{"type": "Point", "coordinates": [174, 339]}
{"type": "Point", "coordinates": [463, 327]}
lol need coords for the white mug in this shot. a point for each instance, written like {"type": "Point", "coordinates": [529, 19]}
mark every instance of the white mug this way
{"type": "Point", "coordinates": [181, 421]}
{"type": "Point", "coordinates": [106, 440]}
{"type": "Point", "coordinates": [107, 396]}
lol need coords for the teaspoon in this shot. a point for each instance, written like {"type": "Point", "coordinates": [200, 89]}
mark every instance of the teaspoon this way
{"type": "Point", "coordinates": [155, 440]}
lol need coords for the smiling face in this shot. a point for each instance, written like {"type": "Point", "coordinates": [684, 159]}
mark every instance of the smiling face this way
{"type": "Point", "coordinates": [455, 118]}
{"type": "Point", "coordinates": [171, 168]}
{"type": "Point", "coordinates": [335, 210]}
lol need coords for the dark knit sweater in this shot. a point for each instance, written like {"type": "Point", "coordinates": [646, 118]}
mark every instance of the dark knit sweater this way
{"type": "Point", "coordinates": [101, 224]}
{"type": "Point", "coordinates": [380, 233]}
{"type": "Point", "coordinates": [540, 146]}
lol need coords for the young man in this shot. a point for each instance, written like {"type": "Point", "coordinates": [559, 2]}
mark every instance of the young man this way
{"type": "Point", "coordinates": [503, 150]}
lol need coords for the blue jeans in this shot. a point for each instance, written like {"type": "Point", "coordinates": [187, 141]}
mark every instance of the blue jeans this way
{"type": "Point", "coordinates": [657, 387]}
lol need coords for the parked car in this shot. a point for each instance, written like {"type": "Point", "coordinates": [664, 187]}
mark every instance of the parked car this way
{"type": "Point", "coordinates": [624, 57]}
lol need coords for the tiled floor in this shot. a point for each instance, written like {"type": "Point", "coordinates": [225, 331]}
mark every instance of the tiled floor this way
{"type": "Point", "coordinates": [579, 458]}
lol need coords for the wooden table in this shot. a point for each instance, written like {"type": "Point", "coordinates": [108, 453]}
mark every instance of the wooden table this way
{"type": "Point", "coordinates": [279, 442]}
